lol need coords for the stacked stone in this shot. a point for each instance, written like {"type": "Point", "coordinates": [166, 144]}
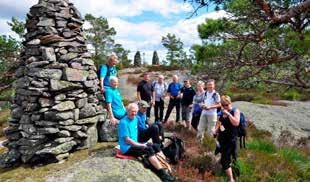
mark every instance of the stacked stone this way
{"type": "Point", "coordinates": [56, 108]}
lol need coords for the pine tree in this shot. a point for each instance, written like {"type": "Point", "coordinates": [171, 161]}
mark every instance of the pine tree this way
{"type": "Point", "coordinates": [155, 59]}
{"type": "Point", "coordinates": [137, 59]}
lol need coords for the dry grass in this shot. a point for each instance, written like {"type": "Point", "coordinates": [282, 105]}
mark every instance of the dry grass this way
{"type": "Point", "coordinates": [134, 79]}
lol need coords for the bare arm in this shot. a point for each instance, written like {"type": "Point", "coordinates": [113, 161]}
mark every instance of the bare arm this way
{"type": "Point", "coordinates": [101, 84]}
{"type": "Point", "coordinates": [234, 119]}
{"type": "Point", "coordinates": [133, 143]}
{"type": "Point", "coordinates": [138, 96]}
{"type": "Point", "coordinates": [113, 119]}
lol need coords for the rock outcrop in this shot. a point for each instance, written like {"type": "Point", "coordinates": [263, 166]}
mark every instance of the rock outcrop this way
{"type": "Point", "coordinates": [287, 124]}
{"type": "Point", "coordinates": [56, 106]}
{"type": "Point", "coordinates": [104, 167]}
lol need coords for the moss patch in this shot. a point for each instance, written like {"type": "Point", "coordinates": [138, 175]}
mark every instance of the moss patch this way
{"type": "Point", "coordinates": [38, 173]}
{"type": "Point", "coordinates": [4, 115]}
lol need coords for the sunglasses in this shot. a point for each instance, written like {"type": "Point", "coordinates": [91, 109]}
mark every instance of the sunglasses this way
{"type": "Point", "coordinates": [225, 105]}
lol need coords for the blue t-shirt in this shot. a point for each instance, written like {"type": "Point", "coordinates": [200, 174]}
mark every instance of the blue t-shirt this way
{"type": "Point", "coordinates": [141, 121]}
{"type": "Point", "coordinates": [105, 73]}
{"type": "Point", "coordinates": [113, 97]}
{"type": "Point", "coordinates": [174, 89]}
{"type": "Point", "coordinates": [127, 128]}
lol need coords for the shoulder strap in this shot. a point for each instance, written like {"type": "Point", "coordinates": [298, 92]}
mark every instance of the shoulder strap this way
{"type": "Point", "coordinates": [108, 70]}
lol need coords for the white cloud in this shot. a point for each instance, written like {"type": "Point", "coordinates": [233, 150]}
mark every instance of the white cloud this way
{"type": "Point", "coordinates": [143, 36]}
{"type": "Point", "coordinates": [128, 8]}
{"type": "Point", "coordinates": [146, 36]}
{"type": "Point", "coordinates": [187, 29]}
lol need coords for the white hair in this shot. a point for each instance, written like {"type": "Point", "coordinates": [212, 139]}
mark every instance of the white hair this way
{"type": "Point", "coordinates": [132, 106]}
{"type": "Point", "coordinates": [113, 78]}
{"type": "Point", "coordinates": [113, 54]}
{"type": "Point", "coordinates": [201, 83]}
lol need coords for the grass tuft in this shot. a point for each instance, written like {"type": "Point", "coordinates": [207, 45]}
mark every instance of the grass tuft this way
{"type": "Point", "coordinates": [262, 146]}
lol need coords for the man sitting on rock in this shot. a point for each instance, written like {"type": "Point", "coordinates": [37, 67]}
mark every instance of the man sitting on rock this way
{"type": "Point", "coordinates": [113, 98]}
{"type": "Point", "coordinates": [146, 131]}
{"type": "Point", "coordinates": [129, 145]}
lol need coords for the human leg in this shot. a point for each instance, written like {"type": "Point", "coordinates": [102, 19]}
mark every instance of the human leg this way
{"type": "Point", "coordinates": [161, 109]}
{"type": "Point", "coordinates": [211, 122]}
{"type": "Point", "coordinates": [178, 107]}
{"type": "Point", "coordinates": [169, 109]}
{"type": "Point", "coordinates": [202, 126]}
{"type": "Point", "coordinates": [156, 107]}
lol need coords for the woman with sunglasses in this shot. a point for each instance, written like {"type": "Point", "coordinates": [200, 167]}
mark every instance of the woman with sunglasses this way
{"type": "Point", "coordinates": [228, 121]}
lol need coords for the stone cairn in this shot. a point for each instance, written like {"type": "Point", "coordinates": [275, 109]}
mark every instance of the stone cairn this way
{"type": "Point", "coordinates": [56, 107]}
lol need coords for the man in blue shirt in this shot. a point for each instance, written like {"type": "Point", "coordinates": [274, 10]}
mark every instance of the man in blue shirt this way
{"type": "Point", "coordinates": [114, 102]}
{"type": "Point", "coordinates": [129, 145]}
{"type": "Point", "coordinates": [174, 91]}
{"type": "Point", "coordinates": [106, 71]}
{"type": "Point", "coordinates": [147, 131]}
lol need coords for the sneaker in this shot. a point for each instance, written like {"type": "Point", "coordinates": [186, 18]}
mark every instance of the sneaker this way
{"type": "Point", "coordinates": [165, 176]}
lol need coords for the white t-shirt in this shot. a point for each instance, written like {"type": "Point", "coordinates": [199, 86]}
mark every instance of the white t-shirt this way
{"type": "Point", "coordinates": [211, 98]}
{"type": "Point", "coordinates": [159, 90]}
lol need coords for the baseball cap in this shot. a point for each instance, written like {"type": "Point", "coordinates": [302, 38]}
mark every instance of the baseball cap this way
{"type": "Point", "coordinates": [143, 103]}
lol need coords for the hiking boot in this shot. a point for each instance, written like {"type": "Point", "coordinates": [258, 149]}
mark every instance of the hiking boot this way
{"type": "Point", "coordinates": [165, 176]}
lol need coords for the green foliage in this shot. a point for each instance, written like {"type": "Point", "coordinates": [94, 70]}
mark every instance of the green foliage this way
{"type": "Point", "coordinates": [101, 38]}
{"type": "Point", "coordinates": [176, 54]}
{"type": "Point", "coordinates": [4, 116]}
{"type": "Point", "coordinates": [292, 155]}
{"type": "Point", "coordinates": [9, 52]}
{"type": "Point", "coordinates": [262, 146]}
{"type": "Point", "coordinates": [137, 59]}
{"type": "Point", "coordinates": [291, 95]}
{"type": "Point", "coordinates": [18, 27]}
{"type": "Point", "coordinates": [155, 58]}
{"type": "Point", "coordinates": [243, 47]}
{"type": "Point", "coordinates": [6, 94]}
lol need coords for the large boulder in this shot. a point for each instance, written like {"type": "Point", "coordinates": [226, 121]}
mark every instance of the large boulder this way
{"type": "Point", "coordinates": [107, 169]}
{"type": "Point", "coordinates": [290, 119]}
{"type": "Point", "coordinates": [107, 131]}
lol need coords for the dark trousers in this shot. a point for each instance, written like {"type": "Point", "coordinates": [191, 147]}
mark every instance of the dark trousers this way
{"type": "Point", "coordinates": [148, 112]}
{"type": "Point", "coordinates": [151, 132]}
{"type": "Point", "coordinates": [228, 153]}
{"type": "Point", "coordinates": [150, 150]}
{"type": "Point", "coordinates": [159, 110]}
{"type": "Point", "coordinates": [195, 120]}
{"type": "Point", "coordinates": [176, 102]}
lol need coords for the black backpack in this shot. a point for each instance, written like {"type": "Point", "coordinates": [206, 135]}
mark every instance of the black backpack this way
{"type": "Point", "coordinates": [175, 150]}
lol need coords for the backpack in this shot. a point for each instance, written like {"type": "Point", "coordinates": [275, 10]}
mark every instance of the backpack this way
{"type": "Point", "coordinates": [197, 110]}
{"type": "Point", "coordinates": [108, 72]}
{"type": "Point", "coordinates": [175, 150]}
{"type": "Point", "coordinates": [241, 129]}
{"type": "Point", "coordinates": [214, 98]}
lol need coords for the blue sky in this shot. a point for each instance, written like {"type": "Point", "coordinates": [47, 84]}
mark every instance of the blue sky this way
{"type": "Point", "coordinates": [140, 24]}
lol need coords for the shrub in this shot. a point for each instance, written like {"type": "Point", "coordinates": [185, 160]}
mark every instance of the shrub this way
{"type": "Point", "coordinates": [6, 94]}
{"type": "Point", "coordinates": [261, 145]}
{"type": "Point", "coordinates": [291, 95]}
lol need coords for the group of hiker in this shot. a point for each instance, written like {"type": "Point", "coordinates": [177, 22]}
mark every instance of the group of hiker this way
{"type": "Point", "coordinates": [202, 110]}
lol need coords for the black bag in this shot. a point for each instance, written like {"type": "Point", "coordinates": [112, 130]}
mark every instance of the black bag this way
{"type": "Point", "coordinates": [175, 150]}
